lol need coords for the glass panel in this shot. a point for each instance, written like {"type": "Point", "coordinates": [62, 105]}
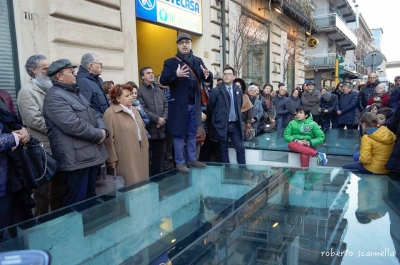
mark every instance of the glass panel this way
{"type": "Point", "coordinates": [337, 142]}
{"type": "Point", "coordinates": [227, 214]}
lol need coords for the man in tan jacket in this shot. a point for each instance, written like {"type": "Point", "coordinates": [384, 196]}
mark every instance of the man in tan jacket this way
{"type": "Point", "coordinates": [30, 104]}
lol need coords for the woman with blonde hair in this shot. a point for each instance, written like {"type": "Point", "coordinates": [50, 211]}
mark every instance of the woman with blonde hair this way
{"type": "Point", "coordinates": [127, 144]}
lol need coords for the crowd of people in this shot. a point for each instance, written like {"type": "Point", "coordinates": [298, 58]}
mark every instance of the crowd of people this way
{"type": "Point", "coordinates": [140, 131]}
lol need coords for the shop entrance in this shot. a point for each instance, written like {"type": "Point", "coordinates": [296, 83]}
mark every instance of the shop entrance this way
{"type": "Point", "coordinates": [155, 45]}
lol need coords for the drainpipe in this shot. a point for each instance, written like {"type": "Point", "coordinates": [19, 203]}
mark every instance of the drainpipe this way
{"type": "Point", "coordinates": [223, 36]}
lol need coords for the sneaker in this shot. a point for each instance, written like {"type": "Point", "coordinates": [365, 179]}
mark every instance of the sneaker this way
{"type": "Point", "coordinates": [321, 159]}
{"type": "Point", "coordinates": [196, 164]}
{"type": "Point", "coordinates": [182, 168]}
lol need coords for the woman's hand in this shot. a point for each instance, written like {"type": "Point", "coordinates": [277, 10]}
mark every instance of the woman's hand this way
{"type": "Point", "coordinates": [112, 164]}
{"type": "Point", "coordinates": [23, 135]}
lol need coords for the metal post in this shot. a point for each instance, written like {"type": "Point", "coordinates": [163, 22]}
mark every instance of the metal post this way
{"type": "Point", "coordinates": [336, 71]}
{"type": "Point", "coordinates": [223, 36]}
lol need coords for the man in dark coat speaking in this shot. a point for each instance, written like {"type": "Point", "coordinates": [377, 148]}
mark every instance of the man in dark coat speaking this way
{"type": "Point", "coordinates": [183, 74]}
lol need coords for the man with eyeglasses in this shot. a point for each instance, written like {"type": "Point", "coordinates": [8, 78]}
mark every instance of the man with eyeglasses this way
{"type": "Point", "coordinates": [89, 81]}
{"type": "Point", "coordinates": [226, 117]}
{"type": "Point", "coordinates": [368, 90]}
{"type": "Point", "coordinates": [76, 133]}
{"type": "Point", "coordinates": [184, 74]}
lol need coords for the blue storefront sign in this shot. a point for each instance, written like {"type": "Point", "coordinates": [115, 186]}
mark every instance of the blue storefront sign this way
{"type": "Point", "coordinates": [181, 14]}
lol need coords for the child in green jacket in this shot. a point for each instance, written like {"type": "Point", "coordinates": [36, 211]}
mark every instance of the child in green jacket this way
{"type": "Point", "coordinates": [303, 134]}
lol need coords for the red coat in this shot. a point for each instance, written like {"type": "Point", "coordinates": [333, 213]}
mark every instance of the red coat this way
{"type": "Point", "coordinates": [385, 97]}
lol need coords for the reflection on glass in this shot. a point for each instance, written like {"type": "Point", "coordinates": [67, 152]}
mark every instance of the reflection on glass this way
{"type": "Point", "coordinates": [227, 214]}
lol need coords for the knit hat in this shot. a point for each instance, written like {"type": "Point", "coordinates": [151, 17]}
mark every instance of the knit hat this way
{"type": "Point", "coordinates": [327, 96]}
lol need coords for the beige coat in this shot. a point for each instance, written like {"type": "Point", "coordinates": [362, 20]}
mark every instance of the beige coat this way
{"type": "Point", "coordinates": [30, 104]}
{"type": "Point", "coordinates": [124, 147]}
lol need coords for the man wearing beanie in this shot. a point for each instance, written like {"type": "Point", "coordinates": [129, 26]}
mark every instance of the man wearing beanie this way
{"type": "Point", "coordinates": [327, 109]}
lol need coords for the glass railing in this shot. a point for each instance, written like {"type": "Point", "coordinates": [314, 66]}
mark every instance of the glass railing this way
{"type": "Point", "coordinates": [322, 60]}
{"type": "Point", "coordinates": [227, 214]}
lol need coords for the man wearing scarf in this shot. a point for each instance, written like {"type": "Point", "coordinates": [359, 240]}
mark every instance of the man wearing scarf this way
{"type": "Point", "coordinates": [30, 104]}
{"type": "Point", "coordinates": [183, 74]}
{"type": "Point", "coordinates": [76, 133]}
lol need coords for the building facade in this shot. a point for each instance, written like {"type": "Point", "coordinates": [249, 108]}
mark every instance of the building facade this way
{"type": "Point", "coordinates": [128, 35]}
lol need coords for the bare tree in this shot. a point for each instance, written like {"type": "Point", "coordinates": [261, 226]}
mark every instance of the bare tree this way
{"type": "Point", "coordinates": [246, 35]}
{"type": "Point", "coordinates": [293, 53]}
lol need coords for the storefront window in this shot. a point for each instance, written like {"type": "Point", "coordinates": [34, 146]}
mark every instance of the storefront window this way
{"type": "Point", "coordinates": [254, 66]}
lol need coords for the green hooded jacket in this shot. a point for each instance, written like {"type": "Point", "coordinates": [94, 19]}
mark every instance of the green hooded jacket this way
{"type": "Point", "coordinates": [304, 130]}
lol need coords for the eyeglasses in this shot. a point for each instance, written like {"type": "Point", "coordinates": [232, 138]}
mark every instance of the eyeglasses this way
{"type": "Point", "coordinates": [187, 42]}
{"type": "Point", "coordinates": [101, 64]}
{"type": "Point", "coordinates": [372, 77]}
{"type": "Point", "coordinates": [227, 74]}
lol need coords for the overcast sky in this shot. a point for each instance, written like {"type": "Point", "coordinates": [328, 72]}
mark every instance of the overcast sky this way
{"type": "Point", "coordinates": [384, 14]}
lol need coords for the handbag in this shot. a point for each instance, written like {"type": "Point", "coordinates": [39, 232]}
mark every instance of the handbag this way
{"type": "Point", "coordinates": [249, 134]}
{"type": "Point", "coordinates": [38, 167]}
{"type": "Point", "coordinates": [270, 127]}
{"type": "Point", "coordinates": [200, 135]}
{"type": "Point", "coordinates": [108, 183]}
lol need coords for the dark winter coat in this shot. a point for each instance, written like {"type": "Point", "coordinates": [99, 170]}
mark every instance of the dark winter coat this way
{"type": "Point", "coordinates": [179, 89]}
{"type": "Point", "coordinates": [294, 103]}
{"type": "Point", "coordinates": [367, 92]}
{"type": "Point", "coordinates": [282, 110]}
{"type": "Point", "coordinates": [90, 86]}
{"type": "Point", "coordinates": [347, 105]}
{"type": "Point", "coordinates": [311, 100]}
{"type": "Point", "coordinates": [74, 128]}
{"type": "Point", "coordinates": [219, 108]}
{"type": "Point", "coordinates": [156, 106]}
{"type": "Point", "coordinates": [329, 105]}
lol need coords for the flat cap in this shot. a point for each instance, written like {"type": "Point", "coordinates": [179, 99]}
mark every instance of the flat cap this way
{"type": "Point", "coordinates": [310, 83]}
{"type": "Point", "coordinates": [58, 65]}
{"type": "Point", "coordinates": [183, 36]}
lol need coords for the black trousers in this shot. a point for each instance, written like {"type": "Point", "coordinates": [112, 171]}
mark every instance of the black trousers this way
{"type": "Point", "coordinates": [157, 149]}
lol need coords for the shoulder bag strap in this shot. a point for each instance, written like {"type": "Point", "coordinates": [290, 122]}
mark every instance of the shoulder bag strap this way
{"type": "Point", "coordinates": [204, 95]}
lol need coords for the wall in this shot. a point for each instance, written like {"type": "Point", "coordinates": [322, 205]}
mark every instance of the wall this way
{"type": "Point", "coordinates": [69, 29]}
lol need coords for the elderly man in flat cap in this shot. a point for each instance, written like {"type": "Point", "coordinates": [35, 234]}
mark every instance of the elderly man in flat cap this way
{"type": "Point", "coordinates": [76, 133]}
{"type": "Point", "coordinates": [184, 74]}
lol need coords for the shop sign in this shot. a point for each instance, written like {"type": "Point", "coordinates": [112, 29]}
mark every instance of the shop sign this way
{"type": "Point", "coordinates": [182, 14]}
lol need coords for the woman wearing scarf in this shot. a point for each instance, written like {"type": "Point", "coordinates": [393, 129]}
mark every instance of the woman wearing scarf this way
{"type": "Point", "coordinates": [127, 144]}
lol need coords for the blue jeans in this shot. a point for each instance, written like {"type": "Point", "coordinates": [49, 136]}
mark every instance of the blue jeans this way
{"type": "Point", "coordinates": [235, 134]}
{"type": "Point", "coordinates": [279, 122]}
{"type": "Point", "coordinates": [356, 166]}
{"type": "Point", "coordinates": [189, 138]}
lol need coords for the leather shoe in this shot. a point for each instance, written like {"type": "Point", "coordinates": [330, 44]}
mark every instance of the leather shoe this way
{"type": "Point", "coordinates": [196, 164]}
{"type": "Point", "coordinates": [182, 168]}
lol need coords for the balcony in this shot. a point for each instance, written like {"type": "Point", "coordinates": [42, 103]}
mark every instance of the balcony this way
{"type": "Point", "coordinates": [322, 61]}
{"type": "Point", "coordinates": [296, 11]}
{"type": "Point", "coordinates": [345, 9]}
{"type": "Point", "coordinates": [337, 30]}
{"type": "Point", "coordinates": [327, 61]}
